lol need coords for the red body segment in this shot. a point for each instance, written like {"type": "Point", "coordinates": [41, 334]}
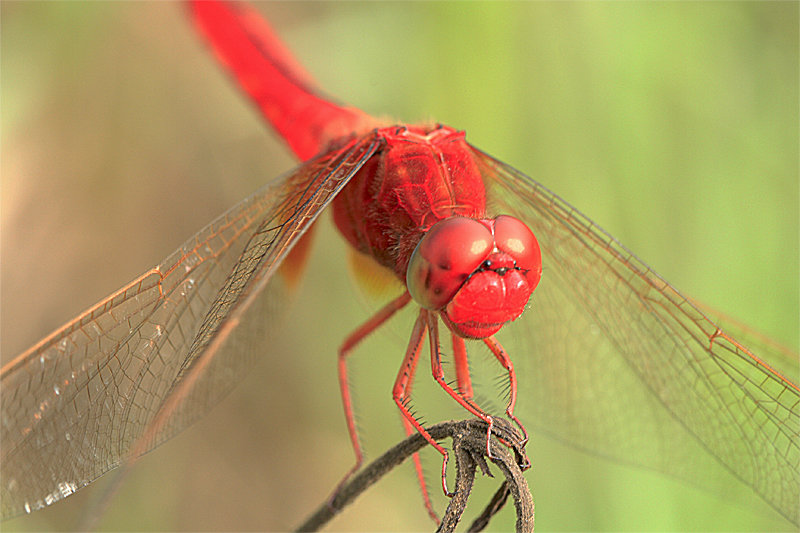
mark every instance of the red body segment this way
{"type": "Point", "coordinates": [284, 93]}
{"type": "Point", "coordinates": [421, 176]}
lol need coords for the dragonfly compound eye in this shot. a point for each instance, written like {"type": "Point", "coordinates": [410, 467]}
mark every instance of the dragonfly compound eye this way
{"type": "Point", "coordinates": [499, 291]}
{"type": "Point", "coordinates": [445, 257]}
{"type": "Point", "coordinates": [512, 236]}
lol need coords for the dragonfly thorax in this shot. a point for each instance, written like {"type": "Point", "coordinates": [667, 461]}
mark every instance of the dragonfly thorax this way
{"type": "Point", "coordinates": [421, 175]}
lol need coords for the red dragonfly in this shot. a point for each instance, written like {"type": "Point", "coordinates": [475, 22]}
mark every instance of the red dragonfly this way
{"type": "Point", "coordinates": [507, 175]}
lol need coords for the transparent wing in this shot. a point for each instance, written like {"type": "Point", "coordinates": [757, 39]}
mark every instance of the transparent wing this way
{"type": "Point", "coordinates": [613, 360]}
{"type": "Point", "coordinates": [147, 361]}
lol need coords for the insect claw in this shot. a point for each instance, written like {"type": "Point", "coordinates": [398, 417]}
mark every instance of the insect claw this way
{"type": "Point", "coordinates": [447, 491]}
{"type": "Point", "coordinates": [525, 437]}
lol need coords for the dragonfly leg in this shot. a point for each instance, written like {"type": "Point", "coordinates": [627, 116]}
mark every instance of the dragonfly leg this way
{"type": "Point", "coordinates": [408, 373]}
{"type": "Point", "coordinates": [465, 382]}
{"type": "Point", "coordinates": [438, 374]}
{"type": "Point", "coordinates": [401, 391]}
{"type": "Point", "coordinates": [344, 351]}
{"type": "Point", "coordinates": [462, 367]}
{"type": "Point", "coordinates": [423, 484]}
{"type": "Point", "coordinates": [505, 361]}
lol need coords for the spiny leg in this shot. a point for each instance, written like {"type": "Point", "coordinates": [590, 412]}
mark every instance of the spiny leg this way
{"type": "Point", "coordinates": [462, 366]}
{"type": "Point", "coordinates": [505, 361]}
{"type": "Point", "coordinates": [409, 375]}
{"type": "Point", "coordinates": [402, 385]}
{"type": "Point", "coordinates": [377, 320]}
{"type": "Point", "coordinates": [438, 375]}
{"type": "Point", "coordinates": [465, 383]}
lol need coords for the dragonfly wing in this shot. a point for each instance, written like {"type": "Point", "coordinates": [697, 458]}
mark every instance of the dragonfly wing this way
{"type": "Point", "coordinates": [150, 359]}
{"type": "Point", "coordinates": [613, 360]}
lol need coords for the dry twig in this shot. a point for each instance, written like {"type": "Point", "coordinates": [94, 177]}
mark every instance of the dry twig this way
{"type": "Point", "coordinates": [469, 451]}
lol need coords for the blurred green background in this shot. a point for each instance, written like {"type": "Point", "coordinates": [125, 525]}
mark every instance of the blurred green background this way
{"type": "Point", "coordinates": [673, 125]}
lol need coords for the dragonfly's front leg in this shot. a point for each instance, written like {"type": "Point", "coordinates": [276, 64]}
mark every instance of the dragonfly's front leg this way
{"type": "Point", "coordinates": [402, 394]}
{"type": "Point", "coordinates": [466, 401]}
{"type": "Point", "coordinates": [502, 356]}
{"type": "Point", "coordinates": [462, 366]}
{"type": "Point", "coordinates": [465, 382]}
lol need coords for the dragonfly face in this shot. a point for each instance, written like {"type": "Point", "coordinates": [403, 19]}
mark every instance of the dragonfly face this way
{"type": "Point", "coordinates": [479, 273]}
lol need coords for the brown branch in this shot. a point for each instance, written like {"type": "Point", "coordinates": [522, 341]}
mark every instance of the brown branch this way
{"type": "Point", "coordinates": [469, 450]}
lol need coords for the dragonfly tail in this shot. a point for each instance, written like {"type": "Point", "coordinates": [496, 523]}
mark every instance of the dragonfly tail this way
{"type": "Point", "coordinates": [284, 93]}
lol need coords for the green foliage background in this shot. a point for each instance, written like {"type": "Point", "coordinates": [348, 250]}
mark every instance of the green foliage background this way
{"type": "Point", "coordinates": [674, 125]}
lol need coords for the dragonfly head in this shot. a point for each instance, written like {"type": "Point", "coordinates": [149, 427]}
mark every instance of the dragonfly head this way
{"type": "Point", "coordinates": [479, 274]}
